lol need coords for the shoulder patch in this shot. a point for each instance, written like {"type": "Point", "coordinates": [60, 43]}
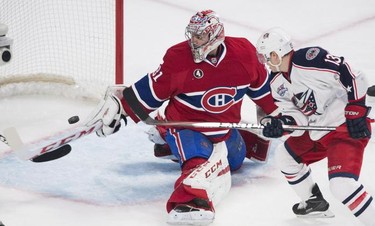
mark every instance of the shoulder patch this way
{"type": "Point", "coordinates": [198, 73]}
{"type": "Point", "coordinates": [312, 53]}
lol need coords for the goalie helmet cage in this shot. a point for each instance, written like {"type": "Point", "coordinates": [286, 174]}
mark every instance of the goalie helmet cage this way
{"type": "Point", "coordinates": [70, 41]}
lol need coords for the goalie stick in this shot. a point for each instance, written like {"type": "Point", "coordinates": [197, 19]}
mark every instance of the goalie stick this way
{"type": "Point", "coordinates": [50, 147]}
{"type": "Point", "coordinates": [56, 145]}
{"type": "Point", "coordinates": [55, 154]}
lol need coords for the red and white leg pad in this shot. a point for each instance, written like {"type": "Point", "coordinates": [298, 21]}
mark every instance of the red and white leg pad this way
{"type": "Point", "coordinates": [212, 177]}
{"type": "Point", "coordinates": [257, 147]}
{"type": "Point", "coordinates": [211, 181]}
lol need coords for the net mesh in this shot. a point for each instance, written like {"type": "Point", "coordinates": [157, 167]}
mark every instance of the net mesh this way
{"type": "Point", "coordinates": [70, 38]}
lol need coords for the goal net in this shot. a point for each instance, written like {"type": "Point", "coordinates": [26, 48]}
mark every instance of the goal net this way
{"type": "Point", "coordinates": [66, 42]}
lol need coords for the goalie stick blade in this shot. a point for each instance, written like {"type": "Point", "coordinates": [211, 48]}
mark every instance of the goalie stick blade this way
{"type": "Point", "coordinates": [52, 155]}
{"type": "Point", "coordinates": [13, 139]}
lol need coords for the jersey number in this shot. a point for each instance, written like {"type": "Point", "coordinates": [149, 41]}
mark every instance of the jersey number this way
{"type": "Point", "coordinates": [156, 74]}
{"type": "Point", "coordinates": [333, 59]}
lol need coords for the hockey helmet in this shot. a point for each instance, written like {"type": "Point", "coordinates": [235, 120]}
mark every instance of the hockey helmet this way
{"type": "Point", "coordinates": [202, 23]}
{"type": "Point", "coordinates": [274, 40]}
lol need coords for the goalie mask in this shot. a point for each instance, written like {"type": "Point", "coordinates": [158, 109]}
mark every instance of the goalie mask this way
{"type": "Point", "coordinates": [202, 24]}
{"type": "Point", "coordinates": [274, 40]}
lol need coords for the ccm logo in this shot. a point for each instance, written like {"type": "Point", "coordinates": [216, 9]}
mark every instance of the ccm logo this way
{"type": "Point", "coordinates": [210, 171]}
{"type": "Point", "coordinates": [68, 139]}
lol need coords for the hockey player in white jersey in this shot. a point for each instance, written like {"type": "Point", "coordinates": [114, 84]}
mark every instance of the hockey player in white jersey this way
{"type": "Point", "coordinates": [313, 87]}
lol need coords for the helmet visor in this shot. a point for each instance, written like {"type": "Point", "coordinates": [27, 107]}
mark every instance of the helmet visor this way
{"type": "Point", "coordinates": [195, 39]}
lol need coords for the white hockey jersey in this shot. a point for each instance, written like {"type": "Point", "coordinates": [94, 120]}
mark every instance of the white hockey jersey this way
{"type": "Point", "coordinates": [317, 88]}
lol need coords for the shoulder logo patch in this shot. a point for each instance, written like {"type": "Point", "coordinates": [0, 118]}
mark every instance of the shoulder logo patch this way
{"type": "Point", "coordinates": [312, 53]}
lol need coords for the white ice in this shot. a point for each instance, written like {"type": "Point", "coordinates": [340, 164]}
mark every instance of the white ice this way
{"type": "Point", "coordinates": [117, 180]}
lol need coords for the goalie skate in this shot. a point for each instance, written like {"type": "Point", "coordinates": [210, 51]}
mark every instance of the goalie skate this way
{"type": "Point", "coordinates": [315, 207]}
{"type": "Point", "coordinates": [188, 215]}
{"type": "Point", "coordinates": [198, 212]}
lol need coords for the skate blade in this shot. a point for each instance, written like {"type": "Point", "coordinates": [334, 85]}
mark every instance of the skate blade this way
{"type": "Point", "coordinates": [325, 214]}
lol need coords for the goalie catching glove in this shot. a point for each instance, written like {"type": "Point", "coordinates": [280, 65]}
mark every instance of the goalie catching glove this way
{"type": "Point", "coordinates": [357, 121]}
{"type": "Point", "coordinates": [111, 113]}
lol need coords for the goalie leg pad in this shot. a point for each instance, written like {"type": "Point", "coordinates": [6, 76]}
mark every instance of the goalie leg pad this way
{"type": "Point", "coordinates": [212, 179]}
{"type": "Point", "coordinates": [257, 147]}
{"type": "Point", "coordinates": [208, 182]}
{"type": "Point", "coordinates": [180, 195]}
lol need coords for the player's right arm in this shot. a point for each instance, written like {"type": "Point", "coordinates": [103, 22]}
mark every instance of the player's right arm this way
{"type": "Point", "coordinates": [259, 90]}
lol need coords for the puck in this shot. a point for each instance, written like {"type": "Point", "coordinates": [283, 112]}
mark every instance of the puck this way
{"type": "Point", "coordinates": [73, 119]}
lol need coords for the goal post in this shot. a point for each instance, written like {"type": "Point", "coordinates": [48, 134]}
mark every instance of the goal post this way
{"type": "Point", "coordinates": [119, 73]}
{"type": "Point", "coordinates": [77, 39]}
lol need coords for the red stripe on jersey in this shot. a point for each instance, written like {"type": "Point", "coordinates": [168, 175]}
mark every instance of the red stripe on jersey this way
{"type": "Point", "coordinates": [176, 135]}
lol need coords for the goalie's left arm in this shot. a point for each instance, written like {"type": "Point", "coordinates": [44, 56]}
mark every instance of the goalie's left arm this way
{"type": "Point", "coordinates": [119, 102]}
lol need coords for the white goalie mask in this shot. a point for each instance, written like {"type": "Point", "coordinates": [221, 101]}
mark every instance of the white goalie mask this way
{"type": "Point", "coordinates": [274, 40]}
{"type": "Point", "coordinates": [204, 22]}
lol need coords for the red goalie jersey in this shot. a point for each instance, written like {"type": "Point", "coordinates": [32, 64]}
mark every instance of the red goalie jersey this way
{"type": "Point", "coordinates": [210, 91]}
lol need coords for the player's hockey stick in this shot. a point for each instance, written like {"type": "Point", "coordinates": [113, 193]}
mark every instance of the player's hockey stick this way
{"type": "Point", "coordinates": [132, 101]}
{"type": "Point", "coordinates": [240, 125]}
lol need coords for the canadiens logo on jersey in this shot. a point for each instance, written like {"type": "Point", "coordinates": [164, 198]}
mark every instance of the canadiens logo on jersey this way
{"type": "Point", "coordinates": [198, 73]}
{"type": "Point", "coordinates": [219, 99]}
{"type": "Point", "coordinates": [306, 102]}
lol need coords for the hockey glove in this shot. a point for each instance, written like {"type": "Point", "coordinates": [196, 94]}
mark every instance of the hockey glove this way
{"type": "Point", "coordinates": [111, 115]}
{"type": "Point", "coordinates": [356, 120]}
{"type": "Point", "coordinates": [273, 126]}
